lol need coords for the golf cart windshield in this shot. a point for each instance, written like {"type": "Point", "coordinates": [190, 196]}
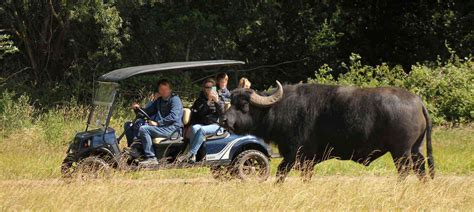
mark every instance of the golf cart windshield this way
{"type": "Point", "coordinates": [102, 104]}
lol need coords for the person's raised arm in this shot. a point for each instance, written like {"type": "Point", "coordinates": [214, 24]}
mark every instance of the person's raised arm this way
{"type": "Point", "coordinates": [220, 105]}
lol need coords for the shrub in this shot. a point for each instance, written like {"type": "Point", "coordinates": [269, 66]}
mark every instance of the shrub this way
{"type": "Point", "coordinates": [56, 124]}
{"type": "Point", "coordinates": [15, 112]}
{"type": "Point", "coordinates": [60, 123]}
{"type": "Point", "coordinates": [446, 89]}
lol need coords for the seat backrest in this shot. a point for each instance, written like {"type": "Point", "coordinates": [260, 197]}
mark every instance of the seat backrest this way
{"type": "Point", "coordinates": [186, 115]}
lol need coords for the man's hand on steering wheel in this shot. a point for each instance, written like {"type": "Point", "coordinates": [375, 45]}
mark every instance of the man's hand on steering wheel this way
{"type": "Point", "coordinates": [135, 106]}
{"type": "Point", "coordinates": [140, 113]}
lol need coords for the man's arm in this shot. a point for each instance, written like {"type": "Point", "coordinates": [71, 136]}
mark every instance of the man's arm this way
{"type": "Point", "coordinates": [150, 108]}
{"type": "Point", "coordinates": [176, 112]}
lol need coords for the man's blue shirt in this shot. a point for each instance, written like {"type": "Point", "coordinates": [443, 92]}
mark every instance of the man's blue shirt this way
{"type": "Point", "coordinates": [167, 112]}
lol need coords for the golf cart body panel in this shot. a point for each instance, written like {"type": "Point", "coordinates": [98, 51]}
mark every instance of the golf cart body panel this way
{"type": "Point", "coordinates": [95, 142]}
{"type": "Point", "coordinates": [225, 148]}
{"type": "Point", "coordinates": [223, 151]}
{"type": "Point", "coordinates": [124, 73]}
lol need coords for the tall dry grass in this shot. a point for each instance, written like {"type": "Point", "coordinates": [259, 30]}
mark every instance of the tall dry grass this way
{"type": "Point", "coordinates": [202, 194]}
{"type": "Point", "coordinates": [30, 180]}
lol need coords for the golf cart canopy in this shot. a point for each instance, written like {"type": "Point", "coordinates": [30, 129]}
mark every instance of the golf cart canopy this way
{"type": "Point", "coordinates": [124, 73]}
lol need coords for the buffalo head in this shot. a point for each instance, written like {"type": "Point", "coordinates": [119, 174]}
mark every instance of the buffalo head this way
{"type": "Point", "coordinates": [246, 104]}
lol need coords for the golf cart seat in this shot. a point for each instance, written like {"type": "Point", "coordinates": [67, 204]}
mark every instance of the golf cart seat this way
{"type": "Point", "coordinates": [176, 136]}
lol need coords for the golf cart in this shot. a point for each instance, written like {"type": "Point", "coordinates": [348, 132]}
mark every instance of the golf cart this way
{"type": "Point", "coordinates": [96, 150]}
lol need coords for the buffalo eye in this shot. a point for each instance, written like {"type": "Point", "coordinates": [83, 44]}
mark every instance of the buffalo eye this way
{"type": "Point", "coordinates": [245, 107]}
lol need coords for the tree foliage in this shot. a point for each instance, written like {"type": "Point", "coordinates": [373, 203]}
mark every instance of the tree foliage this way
{"type": "Point", "coordinates": [447, 89]}
{"type": "Point", "coordinates": [63, 45]}
{"type": "Point", "coordinates": [6, 46]}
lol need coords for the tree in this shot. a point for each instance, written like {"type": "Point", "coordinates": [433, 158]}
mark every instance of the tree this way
{"type": "Point", "coordinates": [54, 36]}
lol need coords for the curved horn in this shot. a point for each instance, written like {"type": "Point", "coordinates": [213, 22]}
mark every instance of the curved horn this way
{"type": "Point", "coordinates": [265, 101]}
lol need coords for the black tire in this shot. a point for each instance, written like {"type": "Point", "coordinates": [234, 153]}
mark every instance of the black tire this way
{"type": "Point", "coordinates": [251, 165]}
{"type": "Point", "coordinates": [92, 167]}
{"type": "Point", "coordinates": [68, 166]}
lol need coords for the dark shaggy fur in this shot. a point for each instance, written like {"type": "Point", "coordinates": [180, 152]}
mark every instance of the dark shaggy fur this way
{"type": "Point", "coordinates": [313, 123]}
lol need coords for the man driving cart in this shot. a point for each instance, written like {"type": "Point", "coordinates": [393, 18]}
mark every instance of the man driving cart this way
{"type": "Point", "coordinates": [131, 129]}
{"type": "Point", "coordinates": [167, 113]}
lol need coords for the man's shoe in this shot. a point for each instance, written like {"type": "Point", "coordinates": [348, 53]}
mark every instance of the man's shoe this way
{"type": "Point", "coordinates": [188, 157]}
{"type": "Point", "coordinates": [192, 159]}
{"type": "Point", "coordinates": [148, 162]}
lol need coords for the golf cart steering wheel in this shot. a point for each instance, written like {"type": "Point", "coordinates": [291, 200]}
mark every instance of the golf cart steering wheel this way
{"type": "Point", "coordinates": [141, 113]}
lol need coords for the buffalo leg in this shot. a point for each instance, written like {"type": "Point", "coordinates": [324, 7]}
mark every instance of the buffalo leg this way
{"type": "Point", "coordinates": [402, 162]}
{"type": "Point", "coordinates": [418, 158]}
{"type": "Point", "coordinates": [289, 158]}
{"type": "Point", "coordinates": [283, 169]}
{"type": "Point", "coordinates": [307, 168]}
{"type": "Point", "coordinates": [418, 164]}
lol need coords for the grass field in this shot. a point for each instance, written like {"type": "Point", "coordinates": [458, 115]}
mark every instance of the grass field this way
{"type": "Point", "coordinates": [30, 179]}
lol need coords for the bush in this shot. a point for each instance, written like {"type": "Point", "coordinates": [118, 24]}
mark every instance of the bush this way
{"type": "Point", "coordinates": [59, 124]}
{"type": "Point", "coordinates": [446, 89]}
{"type": "Point", "coordinates": [56, 125]}
{"type": "Point", "coordinates": [15, 112]}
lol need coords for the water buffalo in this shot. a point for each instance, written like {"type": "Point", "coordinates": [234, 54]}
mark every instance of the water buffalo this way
{"type": "Point", "coordinates": [311, 123]}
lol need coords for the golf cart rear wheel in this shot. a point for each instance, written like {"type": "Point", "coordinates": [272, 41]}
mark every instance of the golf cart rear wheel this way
{"type": "Point", "coordinates": [92, 167]}
{"type": "Point", "coordinates": [251, 165]}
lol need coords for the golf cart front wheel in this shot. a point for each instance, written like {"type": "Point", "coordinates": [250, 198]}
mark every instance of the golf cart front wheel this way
{"type": "Point", "coordinates": [92, 167]}
{"type": "Point", "coordinates": [67, 167]}
{"type": "Point", "coordinates": [251, 165]}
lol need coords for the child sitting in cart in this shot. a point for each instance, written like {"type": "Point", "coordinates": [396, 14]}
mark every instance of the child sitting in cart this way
{"type": "Point", "coordinates": [222, 80]}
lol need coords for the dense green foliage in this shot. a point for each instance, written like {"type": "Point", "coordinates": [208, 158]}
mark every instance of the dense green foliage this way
{"type": "Point", "coordinates": [52, 50]}
{"type": "Point", "coordinates": [447, 89]}
{"type": "Point", "coordinates": [6, 46]}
